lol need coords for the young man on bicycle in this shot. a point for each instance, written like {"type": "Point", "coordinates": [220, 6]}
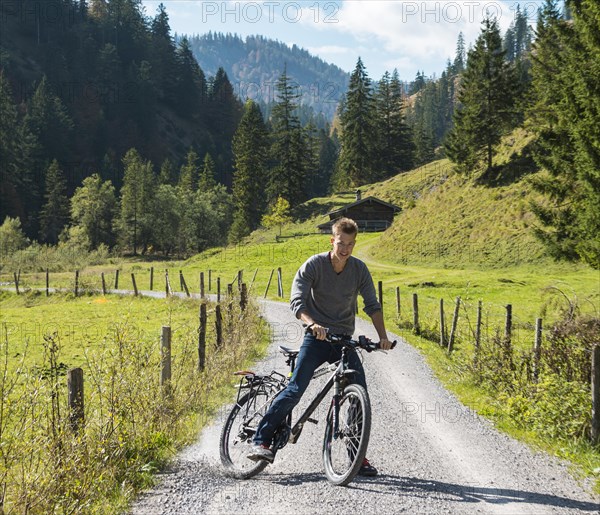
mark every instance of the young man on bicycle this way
{"type": "Point", "coordinates": [324, 296]}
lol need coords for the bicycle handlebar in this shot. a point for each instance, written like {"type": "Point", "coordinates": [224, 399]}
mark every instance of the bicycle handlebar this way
{"type": "Point", "coordinates": [362, 342]}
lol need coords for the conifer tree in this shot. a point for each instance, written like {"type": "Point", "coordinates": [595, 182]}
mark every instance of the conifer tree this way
{"type": "Point", "coordinates": [191, 82]}
{"type": "Point", "coordinates": [190, 172]}
{"type": "Point", "coordinates": [167, 174]}
{"type": "Point", "coordinates": [207, 182]}
{"type": "Point", "coordinates": [395, 143]}
{"type": "Point", "coordinates": [48, 119]}
{"type": "Point", "coordinates": [486, 97]}
{"type": "Point", "coordinates": [358, 155]}
{"type": "Point", "coordinates": [287, 177]}
{"type": "Point", "coordinates": [250, 149]}
{"type": "Point", "coordinates": [460, 58]}
{"type": "Point", "coordinates": [163, 58]}
{"type": "Point", "coordinates": [17, 148]}
{"type": "Point", "coordinates": [136, 198]}
{"type": "Point", "coordinates": [566, 83]}
{"type": "Point", "coordinates": [224, 111]}
{"type": "Point", "coordinates": [55, 211]}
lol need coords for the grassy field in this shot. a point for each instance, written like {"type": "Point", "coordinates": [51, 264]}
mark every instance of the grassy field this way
{"type": "Point", "coordinates": [133, 425]}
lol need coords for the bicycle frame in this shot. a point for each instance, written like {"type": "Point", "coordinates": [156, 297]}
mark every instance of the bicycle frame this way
{"type": "Point", "coordinates": [336, 378]}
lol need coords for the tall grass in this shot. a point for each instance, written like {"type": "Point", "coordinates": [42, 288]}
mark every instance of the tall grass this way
{"type": "Point", "coordinates": [132, 426]}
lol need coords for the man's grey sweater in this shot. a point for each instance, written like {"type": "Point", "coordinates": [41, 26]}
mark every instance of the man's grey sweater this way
{"type": "Point", "coordinates": [330, 298]}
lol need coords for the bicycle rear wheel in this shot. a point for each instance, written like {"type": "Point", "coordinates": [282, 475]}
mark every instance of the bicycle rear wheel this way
{"type": "Point", "coordinates": [344, 452]}
{"type": "Point", "coordinates": [238, 431]}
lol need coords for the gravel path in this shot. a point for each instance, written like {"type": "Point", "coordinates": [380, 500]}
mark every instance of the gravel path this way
{"type": "Point", "coordinates": [434, 456]}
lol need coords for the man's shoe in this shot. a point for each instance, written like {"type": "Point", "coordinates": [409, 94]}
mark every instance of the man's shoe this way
{"type": "Point", "coordinates": [261, 452]}
{"type": "Point", "coordinates": [367, 469]}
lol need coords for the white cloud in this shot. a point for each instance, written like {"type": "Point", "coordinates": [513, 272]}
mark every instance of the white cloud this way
{"type": "Point", "coordinates": [424, 29]}
{"type": "Point", "coordinates": [330, 50]}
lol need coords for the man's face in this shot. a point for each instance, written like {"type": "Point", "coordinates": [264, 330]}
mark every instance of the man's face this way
{"type": "Point", "coordinates": [343, 245]}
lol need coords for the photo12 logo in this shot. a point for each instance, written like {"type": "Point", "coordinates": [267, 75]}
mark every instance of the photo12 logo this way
{"type": "Point", "coordinates": [255, 12]}
{"type": "Point", "coordinates": [469, 11]}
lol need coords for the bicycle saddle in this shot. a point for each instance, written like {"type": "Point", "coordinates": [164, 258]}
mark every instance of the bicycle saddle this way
{"type": "Point", "coordinates": [292, 353]}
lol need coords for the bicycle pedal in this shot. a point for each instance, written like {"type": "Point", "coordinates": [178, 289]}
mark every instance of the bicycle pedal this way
{"type": "Point", "coordinates": [314, 421]}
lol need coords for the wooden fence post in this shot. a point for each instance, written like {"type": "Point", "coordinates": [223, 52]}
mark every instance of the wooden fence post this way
{"type": "Point", "coordinates": [103, 283]}
{"type": "Point", "coordinates": [269, 282]}
{"type": "Point", "coordinates": [416, 327]}
{"type": "Point", "coordinates": [478, 333]}
{"type": "Point", "coordinates": [380, 292]}
{"type": "Point", "coordinates": [135, 290]}
{"type": "Point", "coordinates": [218, 325]}
{"type": "Point", "coordinates": [183, 283]}
{"type": "Point", "coordinates": [279, 282]}
{"type": "Point", "coordinates": [167, 284]}
{"type": "Point", "coordinates": [537, 350]}
{"type": "Point", "coordinates": [454, 324]}
{"type": "Point", "coordinates": [596, 394]}
{"type": "Point", "coordinates": [165, 358]}
{"type": "Point", "coordinates": [117, 279]}
{"type": "Point", "coordinates": [151, 278]}
{"type": "Point", "coordinates": [201, 285]}
{"type": "Point", "coordinates": [252, 282]}
{"type": "Point", "coordinates": [442, 325]}
{"type": "Point", "coordinates": [76, 283]}
{"type": "Point", "coordinates": [47, 282]}
{"type": "Point", "coordinates": [240, 280]}
{"type": "Point", "coordinates": [508, 333]}
{"type": "Point", "coordinates": [230, 290]}
{"type": "Point", "coordinates": [243, 297]}
{"type": "Point", "coordinates": [218, 289]}
{"type": "Point", "coordinates": [202, 338]}
{"type": "Point", "coordinates": [16, 282]}
{"type": "Point", "coordinates": [508, 325]}
{"type": "Point", "coordinates": [398, 301]}
{"type": "Point", "coordinates": [209, 279]}
{"type": "Point", "coordinates": [75, 388]}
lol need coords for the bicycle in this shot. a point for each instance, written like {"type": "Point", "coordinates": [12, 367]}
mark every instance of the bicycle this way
{"type": "Point", "coordinates": [348, 421]}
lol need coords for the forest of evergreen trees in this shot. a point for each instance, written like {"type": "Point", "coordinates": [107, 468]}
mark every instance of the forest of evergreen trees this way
{"type": "Point", "coordinates": [112, 134]}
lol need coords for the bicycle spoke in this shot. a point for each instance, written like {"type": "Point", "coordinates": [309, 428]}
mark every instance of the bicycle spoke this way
{"type": "Point", "coordinates": [343, 452]}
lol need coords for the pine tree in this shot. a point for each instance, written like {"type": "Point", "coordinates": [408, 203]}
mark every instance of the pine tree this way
{"type": "Point", "coordinates": [190, 172]}
{"type": "Point", "coordinates": [191, 82]}
{"type": "Point", "coordinates": [486, 97]}
{"type": "Point", "coordinates": [566, 82]}
{"type": "Point", "coordinates": [358, 153]}
{"type": "Point", "coordinates": [395, 140]}
{"type": "Point", "coordinates": [224, 112]}
{"type": "Point", "coordinates": [167, 174]}
{"type": "Point", "coordinates": [48, 119]}
{"type": "Point", "coordinates": [460, 58]}
{"type": "Point", "coordinates": [136, 198]}
{"type": "Point", "coordinates": [287, 177]}
{"type": "Point", "coordinates": [163, 58]}
{"type": "Point", "coordinates": [250, 149]}
{"type": "Point", "coordinates": [207, 182]}
{"type": "Point", "coordinates": [55, 211]}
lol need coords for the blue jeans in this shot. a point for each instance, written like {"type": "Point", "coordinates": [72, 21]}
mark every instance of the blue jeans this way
{"type": "Point", "coordinates": [313, 353]}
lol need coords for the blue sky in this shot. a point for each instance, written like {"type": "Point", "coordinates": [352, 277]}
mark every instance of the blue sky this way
{"type": "Point", "coordinates": [409, 35]}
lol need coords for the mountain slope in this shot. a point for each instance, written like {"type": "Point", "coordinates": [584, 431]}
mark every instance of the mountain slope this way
{"type": "Point", "coordinates": [254, 65]}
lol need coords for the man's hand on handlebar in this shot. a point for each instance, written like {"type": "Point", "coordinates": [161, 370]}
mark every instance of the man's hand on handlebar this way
{"type": "Point", "coordinates": [385, 344]}
{"type": "Point", "coordinates": [318, 331]}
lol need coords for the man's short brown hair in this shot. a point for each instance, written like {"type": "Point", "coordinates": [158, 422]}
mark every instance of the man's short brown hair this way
{"type": "Point", "coordinates": [345, 225]}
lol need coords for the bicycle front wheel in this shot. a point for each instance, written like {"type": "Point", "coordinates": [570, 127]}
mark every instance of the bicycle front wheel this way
{"type": "Point", "coordinates": [344, 450]}
{"type": "Point", "coordinates": [238, 431]}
